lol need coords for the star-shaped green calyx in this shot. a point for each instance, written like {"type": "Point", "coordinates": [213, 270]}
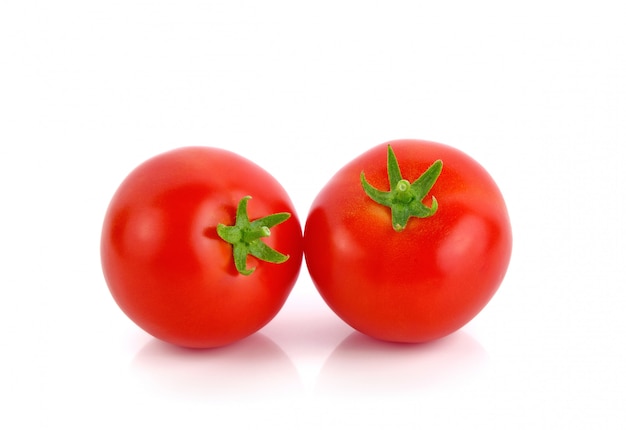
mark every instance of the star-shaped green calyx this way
{"type": "Point", "coordinates": [405, 198]}
{"type": "Point", "coordinates": [245, 237]}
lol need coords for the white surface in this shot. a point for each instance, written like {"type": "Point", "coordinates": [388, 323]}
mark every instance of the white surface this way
{"type": "Point", "coordinates": [535, 91]}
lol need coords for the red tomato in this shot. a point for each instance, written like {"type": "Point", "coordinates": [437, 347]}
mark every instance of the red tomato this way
{"type": "Point", "coordinates": [168, 268]}
{"type": "Point", "coordinates": [422, 280]}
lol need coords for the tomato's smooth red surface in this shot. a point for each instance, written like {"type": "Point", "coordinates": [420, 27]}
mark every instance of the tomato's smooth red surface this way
{"type": "Point", "coordinates": [421, 283]}
{"type": "Point", "coordinates": [165, 265]}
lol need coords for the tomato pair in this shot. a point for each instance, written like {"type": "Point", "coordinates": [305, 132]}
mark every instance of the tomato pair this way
{"type": "Point", "coordinates": [201, 247]}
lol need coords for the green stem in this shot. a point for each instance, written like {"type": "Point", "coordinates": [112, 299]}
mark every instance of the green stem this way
{"type": "Point", "coordinates": [405, 198]}
{"type": "Point", "coordinates": [245, 237]}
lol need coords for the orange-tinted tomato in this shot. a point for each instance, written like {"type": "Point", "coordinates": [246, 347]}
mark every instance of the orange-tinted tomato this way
{"type": "Point", "coordinates": [427, 280]}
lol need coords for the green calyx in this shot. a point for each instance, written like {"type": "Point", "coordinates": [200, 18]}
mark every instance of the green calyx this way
{"type": "Point", "coordinates": [405, 198]}
{"type": "Point", "coordinates": [245, 237]}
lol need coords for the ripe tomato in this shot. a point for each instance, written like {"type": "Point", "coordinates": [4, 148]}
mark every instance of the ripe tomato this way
{"type": "Point", "coordinates": [175, 245]}
{"type": "Point", "coordinates": [422, 267]}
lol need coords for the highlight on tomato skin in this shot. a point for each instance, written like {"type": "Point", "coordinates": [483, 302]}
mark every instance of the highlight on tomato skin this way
{"type": "Point", "coordinates": [168, 268]}
{"type": "Point", "coordinates": [409, 241]}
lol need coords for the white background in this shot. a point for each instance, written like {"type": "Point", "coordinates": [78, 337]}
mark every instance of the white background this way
{"type": "Point", "coordinates": [534, 90]}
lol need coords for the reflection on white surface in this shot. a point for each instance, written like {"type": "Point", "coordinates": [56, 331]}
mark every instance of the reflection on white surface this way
{"type": "Point", "coordinates": [362, 365]}
{"type": "Point", "coordinates": [253, 367]}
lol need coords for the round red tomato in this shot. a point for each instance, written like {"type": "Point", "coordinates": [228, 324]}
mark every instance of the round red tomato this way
{"type": "Point", "coordinates": [200, 247]}
{"type": "Point", "coordinates": [409, 241]}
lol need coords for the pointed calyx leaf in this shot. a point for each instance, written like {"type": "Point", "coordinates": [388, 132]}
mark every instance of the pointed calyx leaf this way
{"type": "Point", "coordinates": [405, 198]}
{"type": "Point", "coordinates": [245, 237]}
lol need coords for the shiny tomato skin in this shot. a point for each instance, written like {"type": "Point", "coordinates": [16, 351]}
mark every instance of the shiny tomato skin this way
{"type": "Point", "coordinates": [426, 281]}
{"type": "Point", "coordinates": [167, 268]}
